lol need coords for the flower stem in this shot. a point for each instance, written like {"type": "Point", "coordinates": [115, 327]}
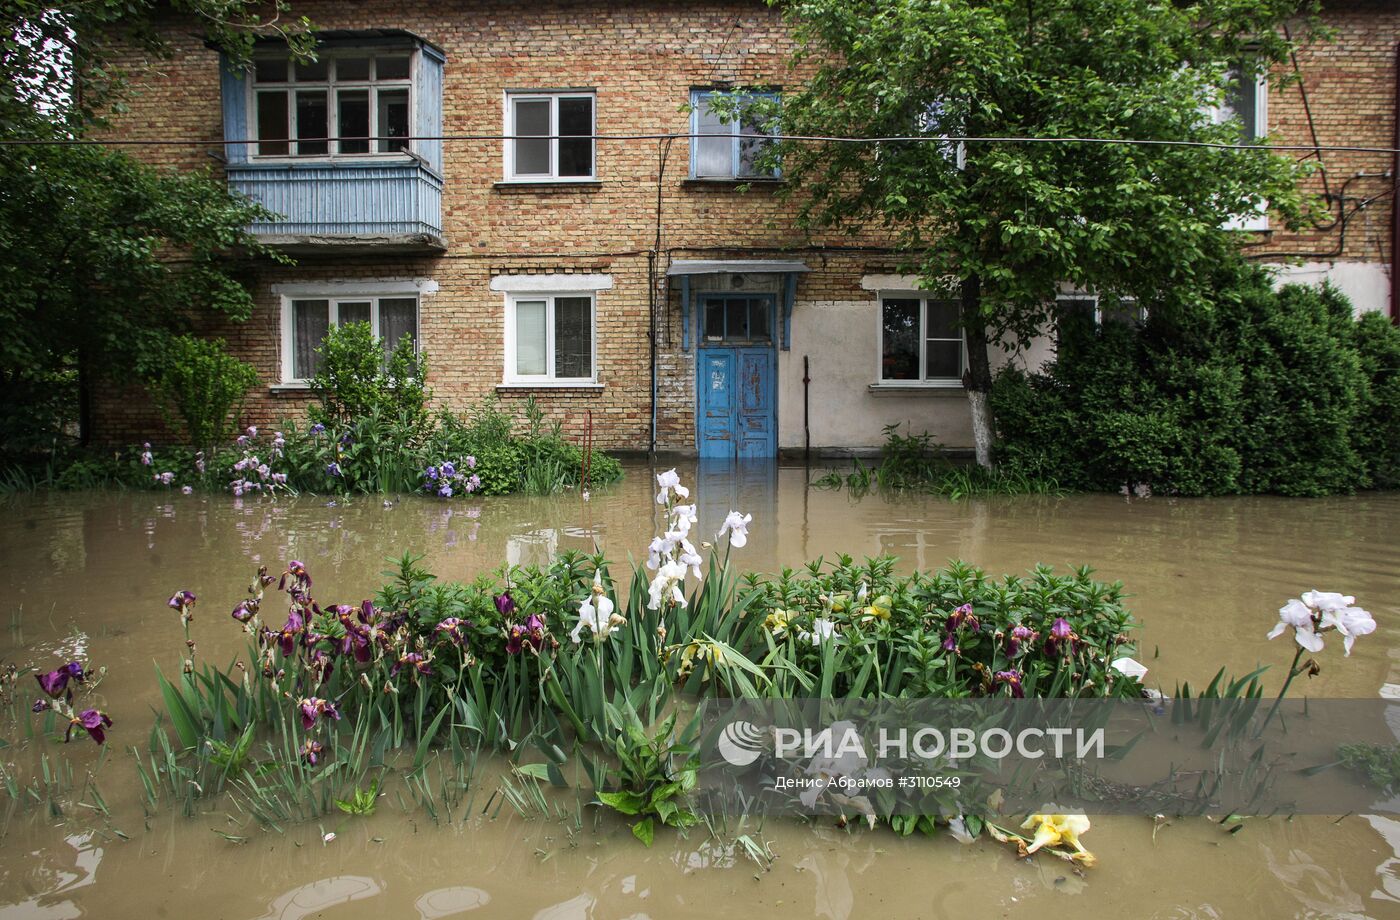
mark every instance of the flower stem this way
{"type": "Point", "coordinates": [1293, 671]}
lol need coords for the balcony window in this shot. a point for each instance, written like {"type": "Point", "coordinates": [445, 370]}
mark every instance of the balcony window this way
{"type": "Point", "coordinates": [727, 149]}
{"type": "Point", "coordinates": [307, 317]}
{"type": "Point", "coordinates": [552, 136]}
{"type": "Point", "coordinates": [342, 104]}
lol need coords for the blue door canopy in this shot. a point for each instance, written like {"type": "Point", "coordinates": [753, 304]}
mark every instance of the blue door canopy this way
{"type": "Point", "coordinates": [685, 269]}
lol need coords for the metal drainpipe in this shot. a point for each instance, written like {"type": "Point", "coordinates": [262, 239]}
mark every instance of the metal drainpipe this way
{"type": "Point", "coordinates": [651, 297]}
{"type": "Point", "coordinates": [806, 410]}
{"type": "Point", "coordinates": [1395, 204]}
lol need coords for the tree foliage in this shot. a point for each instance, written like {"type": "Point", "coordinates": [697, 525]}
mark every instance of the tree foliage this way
{"type": "Point", "coordinates": [104, 259]}
{"type": "Point", "coordinates": [203, 386]}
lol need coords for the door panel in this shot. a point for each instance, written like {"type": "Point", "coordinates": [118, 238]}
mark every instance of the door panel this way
{"type": "Point", "coordinates": [755, 410]}
{"type": "Point", "coordinates": [716, 403]}
{"type": "Point", "coordinates": [736, 370]}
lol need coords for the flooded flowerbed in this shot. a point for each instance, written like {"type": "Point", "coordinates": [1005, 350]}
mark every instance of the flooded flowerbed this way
{"type": "Point", "coordinates": [89, 575]}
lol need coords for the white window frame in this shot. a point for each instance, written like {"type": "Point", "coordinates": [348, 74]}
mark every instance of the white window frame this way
{"type": "Point", "coordinates": [548, 379]}
{"type": "Point", "coordinates": [331, 85]}
{"type": "Point", "coordinates": [337, 293]}
{"type": "Point", "coordinates": [1258, 220]}
{"type": "Point", "coordinates": [553, 97]}
{"type": "Point", "coordinates": [1098, 307]}
{"type": "Point", "coordinates": [922, 382]}
{"type": "Point", "coordinates": [698, 98]}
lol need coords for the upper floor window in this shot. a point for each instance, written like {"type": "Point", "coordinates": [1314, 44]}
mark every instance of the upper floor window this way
{"type": "Point", "coordinates": [552, 135]}
{"type": "Point", "coordinates": [306, 318]}
{"type": "Point", "coordinates": [1245, 103]}
{"type": "Point", "coordinates": [921, 341]}
{"type": "Point", "coordinates": [345, 103]}
{"type": "Point", "coordinates": [550, 338]}
{"type": "Point", "coordinates": [727, 149]}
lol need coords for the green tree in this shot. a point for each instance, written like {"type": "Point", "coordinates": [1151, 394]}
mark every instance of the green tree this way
{"type": "Point", "coordinates": [105, 259]}
{"type": "Point", "coordinates": [1004, 223]}
{"type": "Point", "coordinates": [203, 386]}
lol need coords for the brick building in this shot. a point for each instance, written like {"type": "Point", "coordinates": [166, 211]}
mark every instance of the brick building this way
{"type": "Point", "coordinates": [597, 275]}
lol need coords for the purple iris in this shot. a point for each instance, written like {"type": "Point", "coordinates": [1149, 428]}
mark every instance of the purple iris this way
{"type": "Point", "coordinates": [333, 469]}
{"type": "Point", "coordinates": [444, 490]}
{"type": "Point", "coordinates": [54, 683]}
{"type": "Point", "coordinates": [93, 721]}
{"type": "Point", "coordinates": [963, 616]}
{"type": "Point", "coordinates": [297, 574]}
{"type": "Point", "coordinates": [146, 458]}
{"type": "Point", "coordinates": [346, 439]}
{"type": "Point", "coordinates": [431, 473]}
{"type": "Point", "coordinates": [454, 629]}
{"type": "Point", "coordinates": [317, 428]}
{"type": "Point", "coordinates": [448, 469]}
{"type": "Point", "coordinates": [313, 708]}
{"type": "Point", "coordinates": [529, 635]}
{"type": "Point", "coordinates": [1062, 638]}
{"type": "Point", "coordinates": [311, 751]}
{"type": "Point", "coordinates": [1012, 679]}
{"type": "Point", "coordinates": [245, 610]}
{"type": "Point", "coordinates": [41, 706]}
{"type": "Point", "coordinates": [180, 600]}
{"type": "Point", "coordinates": [419, 663]}
{"type": "Point", "coordinates": [505, 604]}
{"type": "Point", "coordinates": [1019, 636]}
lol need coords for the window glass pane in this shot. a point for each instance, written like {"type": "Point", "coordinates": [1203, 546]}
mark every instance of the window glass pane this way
{"type": "Point", "coordinates": [1113, 310]}
{"type": "Point", "coordinates": [575, 120]}
{"type": "Point", "coordinates": [736, 318]}
{"type": "Point", "coordinates": [751, 147]}
{"type": "Point", "coordinates": [532, 120]}
{"type": "Point", "coordinates": [714, 319]}
{"type": "Point", "coordinates": [352, 68]}
{"type": "Point", "coordinates": [393, 67]}
{"type": "Point", "coordinates": [759, 319]}
{"type": "Point", "coordinates": [1242, 102]}
{"type": "Point", "coordinates": [530, 339]}
{"type": "Point", "coordinates": [270, 70]}
{"type": "Point", "coordinates": [1074, 320]}
{"type": "Point", "coordinates": [944, 359]}
{"type": "Point", "coordinates": [393, 120]}
{"type": "Point", "coordinates": [573, 337]}
{"type": "Point", "coordinates": [357, 312]}
{"type": "Point", "coordinates": [714, 156]}
{"type": "Point", "coordinates": [900, 324]}
{"type": "Point", "coordinates": [943, 320]}
{"type": "Point", "coordinates": [398, 317]}
{"type": "Point", "coordinates": [311, 124]}
{"type": "Point", "coordinates": [311, 71]}
{"type": "Point", "coordinates": [310, 319]}
{"type": "Point", "coordinates": [272, 123]}
{"type": "Point", "coordinates": [354, 120]}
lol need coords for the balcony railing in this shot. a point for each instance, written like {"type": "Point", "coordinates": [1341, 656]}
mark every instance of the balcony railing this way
{"type": "Point", "coordinates": [351, 205]}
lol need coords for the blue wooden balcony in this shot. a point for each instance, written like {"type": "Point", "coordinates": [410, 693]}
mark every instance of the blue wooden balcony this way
{"type": "Point", "coordinates": [379, 205]}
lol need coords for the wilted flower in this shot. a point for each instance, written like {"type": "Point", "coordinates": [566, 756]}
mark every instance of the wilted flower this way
{"type": "Point", "coordinates": [419, 663]}
{"type": "Point", "coordinates": [1056, 830]}
{"type": "Point", "coordinates": [311, 751]}
{"type": "Point", "coordinates": [180, 600]}
{"type": "Point", "coordinates": [313, 708]}
{"type": "Point", "coordinates": [93, 721]}
{"type": "Point", "coordinates": [41, 705]}
{"type": "Point", "coordinates": [738, 527]}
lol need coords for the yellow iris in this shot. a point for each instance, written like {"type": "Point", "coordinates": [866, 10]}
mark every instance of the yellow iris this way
{"type": "Point", "coordinates": [880, 609]}
{"type": "Point", "coordinates": [1059, 831]}
{"type": "Point", "coordinates": [777, 622]}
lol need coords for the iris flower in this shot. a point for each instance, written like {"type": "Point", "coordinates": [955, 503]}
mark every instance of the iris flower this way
{"type": "Point", "coordinates": [180, 600]}
{"type": "Point", "coordinates": [737, 525]}
{"type": "Point", "coordinates": [314, 708]}
{"type": "Point", "coordinates": [595, 612]}
{"type": "Point", "coordinates": [1012, 679]}
{"type": "Point", "coordinates": [54, 683]}
{"type": "Point", "coordinates": [93, 721]}
{"type": "Point", "coordinates": [670, 481]}
{"type": "Point", "coordinates": [1057, 830]}
{"type": "Point", "coordinates": [505, 604]}
{"type": "Point", "coordinates": [311, 751]}
{"type": "Point", "coordinates": [1062, 635]}
{"type": "Point", "coordinates": [1019, 640]}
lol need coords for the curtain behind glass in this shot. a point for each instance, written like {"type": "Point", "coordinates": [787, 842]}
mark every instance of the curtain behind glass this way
{"type": "Point", "coordinates": [530, 339]}
{"type": "Point", "coordinates": [310, 320]}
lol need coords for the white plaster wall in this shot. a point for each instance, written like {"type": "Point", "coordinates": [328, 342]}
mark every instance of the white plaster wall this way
{"type": "Point", "coordinates": [1367, 284]}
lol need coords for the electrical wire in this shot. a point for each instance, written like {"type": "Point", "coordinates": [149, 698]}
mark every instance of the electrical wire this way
{"type": "Point", "coordinates": [893, 139]}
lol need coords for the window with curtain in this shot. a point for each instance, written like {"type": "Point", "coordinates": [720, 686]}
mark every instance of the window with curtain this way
{"type": "Point", "coordinates": [345, 103]}
{"type": "Point", "coordinates": [727, 149]}
{"type": "Point", "coordinates": [550, 338]}
{"type": "Point", "coordinates": [308, 319]}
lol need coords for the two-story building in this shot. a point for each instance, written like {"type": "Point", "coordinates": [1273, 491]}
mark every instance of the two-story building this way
{"type": "Point", "coordinates": [487, 177]}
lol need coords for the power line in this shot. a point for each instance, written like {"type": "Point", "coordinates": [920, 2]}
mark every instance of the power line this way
{"type": "Point", "coordinates": [608, 138]}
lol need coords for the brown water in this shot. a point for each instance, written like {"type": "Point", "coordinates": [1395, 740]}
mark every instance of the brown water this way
{"type": "Point", "coordinates": [91, 573]}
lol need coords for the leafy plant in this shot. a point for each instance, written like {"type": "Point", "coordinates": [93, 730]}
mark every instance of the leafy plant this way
{"type": "Point", "coordinates": [204, 386]}
{"type": "Point", "coordinates": [655, 773]}
{"type": "Point", "coordinates": [362, 802]}
{"type": "Point", "coordinates": [359, 376]}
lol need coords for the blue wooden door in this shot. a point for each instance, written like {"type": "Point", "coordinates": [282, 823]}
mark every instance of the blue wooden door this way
{"type": "Point", "coordinates": [736, 371]}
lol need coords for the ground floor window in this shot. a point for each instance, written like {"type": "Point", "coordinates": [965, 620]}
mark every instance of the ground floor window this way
{"type": "Point", "coordinates": [550, 338]}
{"type": "Point", "coordinates": [306, 318]}
{"type": "Point", "coordinates": [921, 341]}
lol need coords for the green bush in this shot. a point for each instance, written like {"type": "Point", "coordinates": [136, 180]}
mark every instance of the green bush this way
{"type": "Point", "coordinates": [1256, 391]}
{"type": "Point", "coordinates": [202, 384]}
{"type": "Point", "coordinates": [358, 379]}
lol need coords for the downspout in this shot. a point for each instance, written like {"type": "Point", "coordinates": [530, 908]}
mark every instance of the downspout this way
{"type": "Point", "coordinates": [1395, 203]}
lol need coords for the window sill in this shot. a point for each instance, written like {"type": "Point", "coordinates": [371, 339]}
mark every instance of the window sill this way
{"type": "Point", "coordinates": [932, 390]}
{"type": "Point", "coordinates": [726, 182]}
{"type": "Point", "coordinates": [590, 388]}
{"type": "Point", "coordinates": [521, 184]}
{"type": "Point", "coordinates": [290, 388]}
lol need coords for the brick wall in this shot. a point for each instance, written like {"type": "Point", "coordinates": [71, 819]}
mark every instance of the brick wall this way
{"type": "Point", "coordinates": [642, 58]}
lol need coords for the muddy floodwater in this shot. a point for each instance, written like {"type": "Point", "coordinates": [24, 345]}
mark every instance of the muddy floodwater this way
{"type": "Point", "coordinates": [89, 574]}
